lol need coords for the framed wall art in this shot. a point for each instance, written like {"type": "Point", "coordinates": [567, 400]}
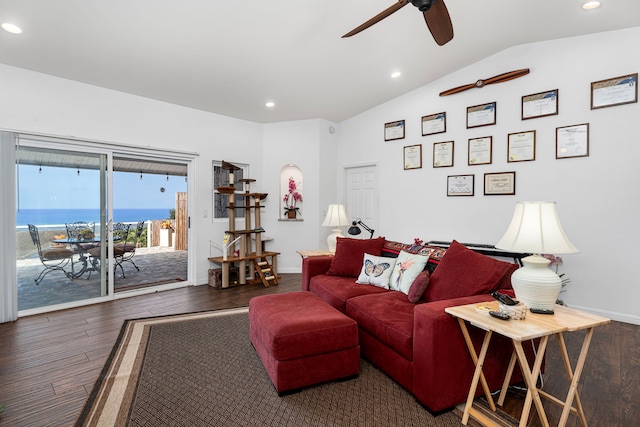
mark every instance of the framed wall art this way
{"type": "Point", "coordinates": [500, 184]}
{"type": "Point", "coordinates": [572, 141]}
{"type": "Point", "coordinates": [460, 185]}
{"type": "Point", "coordinates": [480, 151]}
{"type": "Point", "coordinates": [540, 104]}
{"type": "Point", "coordinates": [443, 154]}
{"type": "Point", "coordinates": [434, 124]}
{"type": "Point", "coordinates": [521, 146]}
{"type": "Point", "coordinates": [481, 115]}
{"type": "Point", "coordinates": [413, 157]}
{"type": "Point", "coordinates": [617, 91]}
{"type": "Point", "coordinates": [394, 130]}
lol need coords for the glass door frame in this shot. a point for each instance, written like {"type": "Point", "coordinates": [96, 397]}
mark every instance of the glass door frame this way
{"type": "Point", "coordinates": [110, 149]}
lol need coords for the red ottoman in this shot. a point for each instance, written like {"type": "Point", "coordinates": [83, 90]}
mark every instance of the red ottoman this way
{"type": "Point", "coordinates": [302, 340]}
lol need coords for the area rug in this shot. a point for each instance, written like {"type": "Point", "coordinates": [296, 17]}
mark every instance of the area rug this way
{"type": "Point", "coordinates": [201, 370]}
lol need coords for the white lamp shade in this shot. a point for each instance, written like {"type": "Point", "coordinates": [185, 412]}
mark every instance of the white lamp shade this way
{"type": "Point", "coordinates": [535, 227]}
{"type": "Point", "coordinates": [336, 217]}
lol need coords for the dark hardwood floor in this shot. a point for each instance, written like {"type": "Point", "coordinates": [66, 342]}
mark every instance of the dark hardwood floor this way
{"type": "Point", "coordinates": [49, 362]}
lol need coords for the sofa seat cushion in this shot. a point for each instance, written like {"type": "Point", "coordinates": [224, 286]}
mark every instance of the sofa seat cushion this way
{"type": "Point", "coordinates": [299, 324]}
{"type": "Point", "coordinates": [337, 290]}
{"type": "Point", "coordinates": [388, 317]}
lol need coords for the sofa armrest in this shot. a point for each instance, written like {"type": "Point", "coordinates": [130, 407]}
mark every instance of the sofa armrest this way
{"type": "Point", "coordinates": [444, 369]}
{"type": "Point", "coordinates": [314, 266]}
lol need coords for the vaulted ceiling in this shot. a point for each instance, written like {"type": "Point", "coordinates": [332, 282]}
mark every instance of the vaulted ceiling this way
{"type": "Point", "coordinates": [231, 57]}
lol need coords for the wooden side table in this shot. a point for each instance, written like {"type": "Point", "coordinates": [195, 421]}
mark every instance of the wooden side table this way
{"type": "Point", "coordinates": [315, 252]}
{"type": "Point", "coordinates": [533, 326]}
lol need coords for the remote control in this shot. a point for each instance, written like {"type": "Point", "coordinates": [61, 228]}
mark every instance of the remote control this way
{"type": "Point", "coordinates": [541, 311]}
{"type": "Point", "coordinates": [500, 315]}
{"type": "Point", "coordinates": [504, 299]}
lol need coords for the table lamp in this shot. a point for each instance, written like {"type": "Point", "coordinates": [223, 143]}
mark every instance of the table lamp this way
{"type": "Point", "coordinates": [354, 230]}
{"type": "Point", "coordinates": [535, 228]}
{"type": "Point", "coordinates": [336, 217]}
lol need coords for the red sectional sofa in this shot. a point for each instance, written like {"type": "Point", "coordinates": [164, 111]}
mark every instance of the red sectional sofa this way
{"type": "Point", "coordinates": [417, 344]}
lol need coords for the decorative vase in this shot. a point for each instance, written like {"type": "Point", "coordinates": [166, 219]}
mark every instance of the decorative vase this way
{"type": "Point", "coordinates": [535, 285]}
{"type": "Point", "coordinates": [291, 214]}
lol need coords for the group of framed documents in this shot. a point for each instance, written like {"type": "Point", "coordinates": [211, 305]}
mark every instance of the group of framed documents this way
{"type": "Point", "coordinates": [571, 141]}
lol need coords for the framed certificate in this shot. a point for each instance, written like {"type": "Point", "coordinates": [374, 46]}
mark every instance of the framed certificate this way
{"type": "Point", "coordinates": [443, 154]}
{"type": "Point", "coordinates": [481, 115]}
{"type": "Point", "coordinates": [413, 157]}
{"type": "Point", "coordinates": [572, 141]}
{"type": "Point", "coordinates": [499, 184]}
{"type": "Point", "coordinates": [616, 91]}
{"type": "Point", "coordinates": [521, 146]}
{"type": "Point", "coordinates": [394, 130]}
{"type": "Point", "coordinates": [433, 124]}
{"type": "Point", "coordinates": [480, 151]}
{"type": "Point", "coordinates": [460, 185]}
{"type": "Point", "coordinates": [540, 104]}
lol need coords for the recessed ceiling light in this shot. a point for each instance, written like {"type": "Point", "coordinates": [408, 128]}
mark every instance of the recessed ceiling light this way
{"type": "Point", "coordinates": [396, 74]}
{"type": "Point", "coordinates": [591, 5]}
{"type": "Point", "coordinates": [270, 104]}
{"type": "Point", "coordinates": [11, 28]}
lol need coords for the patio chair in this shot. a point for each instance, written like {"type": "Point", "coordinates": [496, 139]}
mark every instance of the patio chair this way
{"type": "Point", "coordinates": [54, 259]}
{"type": "Point", "coordinates": [120, 234]}
{"type": "Point", "coordinates": [129, 247]}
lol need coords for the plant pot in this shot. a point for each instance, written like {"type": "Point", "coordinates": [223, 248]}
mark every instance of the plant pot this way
{"type": "Point", "coordinates": [292, 214]}
{"type": "Point", "coordinates": [166, 237]}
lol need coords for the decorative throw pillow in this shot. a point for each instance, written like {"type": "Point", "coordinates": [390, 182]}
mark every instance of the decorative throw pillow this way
{"type": "Point", "coordinates": [418, 287]}
{"type": "Point", "coordinates": [347, 260]}
{"type": "Point", "coordinates": [376, 270]}
{"type": "Point", "coordinates": [463, 272]}
{"type": "Point", "coordinates": [407, 268]}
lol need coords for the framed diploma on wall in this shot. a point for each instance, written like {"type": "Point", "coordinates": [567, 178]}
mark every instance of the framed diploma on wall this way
{"type": "Point", "coordinates": [434, 123]}
{"type": "Point", "coordinates": [443, 154]}
{"type": "Point", "coordinates": [460, 185]}
{"type": "Point", "coordinates": [617, 91]}
{"type": "Point", "coordinates": [480, 151]}
{"type": "Point", "coordinates": [572, 141]}
{"type": "Point", "coordinates": [500, 184]}
{"type": "Point", "coordinates": [540, 104]}
{"type": "Point", "coordinates": [413, 157]}
{"type": "Point", "coordinates": [481, 115]}
{"type": "Point", "coordinates": [521, 146]}
{"type": "Point", "coordinates": [394, 130]}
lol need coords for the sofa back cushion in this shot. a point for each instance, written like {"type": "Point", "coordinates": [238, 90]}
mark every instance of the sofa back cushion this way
{"type": "Point", "coordinates": [347, 261]}
{"type": "Point", "coordinates": [463, 272]}
{"type": "Point", "coordinates": [392, 249]}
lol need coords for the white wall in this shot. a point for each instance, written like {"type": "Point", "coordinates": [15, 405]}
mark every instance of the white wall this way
{"type": "Point", "coordinates": [38, 103]}
{"type": "Point", "coordinates": [309, 145]}
{"type": "Point", "coordinates": [598, 199]}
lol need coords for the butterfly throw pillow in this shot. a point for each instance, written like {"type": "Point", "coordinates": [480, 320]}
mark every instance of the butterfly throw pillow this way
{"type": "Point", "coordinates": [376, 271]}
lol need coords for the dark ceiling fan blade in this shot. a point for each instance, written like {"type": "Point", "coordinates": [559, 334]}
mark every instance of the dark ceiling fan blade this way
{"type": "Point", "coordinates": [379, 17]}
{"type": "Point", "coordinates": [491, 80]}
{"type": "Point", "coordinates": [439, 22]}
{"type": "Point", "coordinates": [507, 76]}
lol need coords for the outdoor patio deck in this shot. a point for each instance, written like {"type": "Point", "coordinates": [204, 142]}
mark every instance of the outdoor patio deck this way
{"type": "Point", "coordinates": [157, 265]}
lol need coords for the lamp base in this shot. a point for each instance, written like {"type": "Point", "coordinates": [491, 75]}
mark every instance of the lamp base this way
{"type": "Point", "coordinates": [535, 285]}
{"type": "Point", "coordinates": [333, 239]}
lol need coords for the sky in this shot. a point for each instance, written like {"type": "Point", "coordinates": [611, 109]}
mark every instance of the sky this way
{"type": "Point", "coordinates": [64, 188]}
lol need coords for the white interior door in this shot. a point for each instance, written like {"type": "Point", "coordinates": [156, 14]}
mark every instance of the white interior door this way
{"type": "Point", "coordinates": [362, 196]}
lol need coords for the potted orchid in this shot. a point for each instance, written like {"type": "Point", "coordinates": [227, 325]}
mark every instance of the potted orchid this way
{"type": "Point", "coordinates": [291, 198]}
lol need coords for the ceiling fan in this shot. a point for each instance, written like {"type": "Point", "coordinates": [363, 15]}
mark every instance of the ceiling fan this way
{"type": "Point", "coordinates": [435, 14]}
{"type": "Point", "coordinates": [491, 80]}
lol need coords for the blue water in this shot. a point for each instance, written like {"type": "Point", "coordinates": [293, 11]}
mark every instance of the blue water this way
{"type": "Point", "coordinates": [63, 216]}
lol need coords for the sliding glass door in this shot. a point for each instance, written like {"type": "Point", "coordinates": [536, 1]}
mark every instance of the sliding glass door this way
{"type": "Point", "coordinates": [61, 225]}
